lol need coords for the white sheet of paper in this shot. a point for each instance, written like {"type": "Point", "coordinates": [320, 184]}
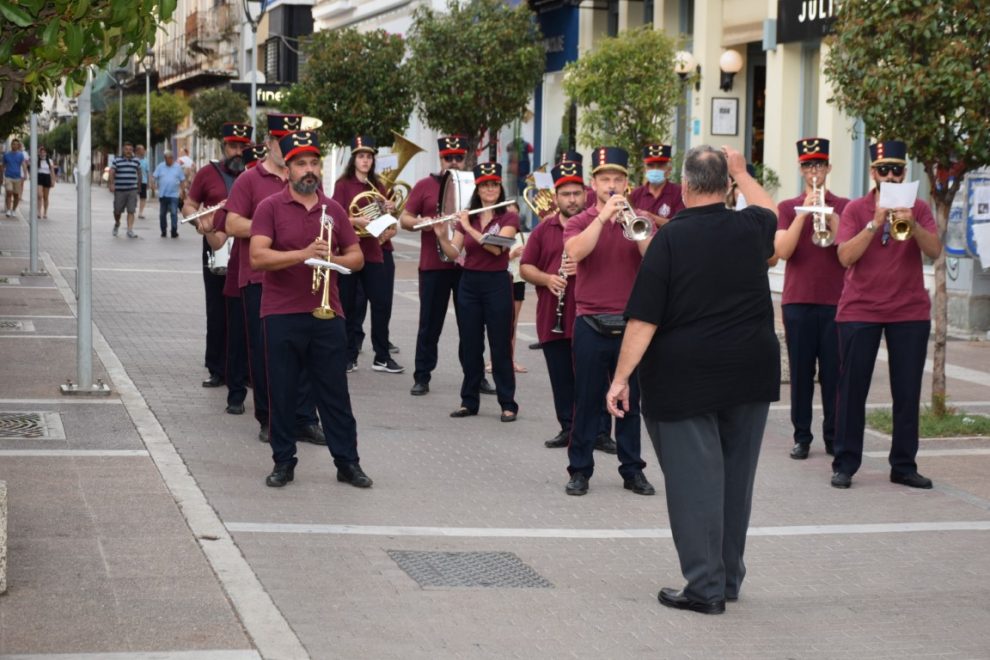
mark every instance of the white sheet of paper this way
{"type": "Point", "coordinates": [543, 180]}
{"type": "Point", "coordinates": [386, 162]}
{"type": "Point", "coordinates": [981, 203]}
{"type": "Point", "coordinates": [317, 263]}
{"type": "Point", "coordinates": [380, 224]}
{"type": "Point", "coordinates": [898, 195]}
{"type": "Point", "coordinates": [981, 236]}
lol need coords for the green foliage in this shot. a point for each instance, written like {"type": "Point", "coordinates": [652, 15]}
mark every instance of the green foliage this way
{"type": "Point", "coordinates": [167, 111]}
{"type": "Point", "coordinates": [45, 41]}
{"type": "Point", "coordinates": [215, 107]}
{"type": "Point", "coordinates": [15, 121]}
{"type": "Point", "coordinates": [952, 423]}
{"type": "Point", "coordinates": [627, 91]}
{"type": "Point", "coordinates": [475, 66]}
{"type": "Point", "coordinates": [57, 140]}
{"type": "Point", "coordinates": [767, 177]}
{"type": "Point", "coordinates": [356, 82]}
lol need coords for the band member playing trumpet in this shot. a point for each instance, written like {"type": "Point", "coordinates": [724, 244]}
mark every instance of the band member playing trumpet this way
{"type": "Point", "coordinates": [284, 235]}
{"type": "Point", "coordinates": [658, 199]}
{"type": "Point", "coordinates": [607, 263]}
{"type": "Point", "coordinates": [359, 177]}
{"type": "Point", "coordinates": [883, 294]}
{"type": "Point", "coordinates": [484, 298]}
{"type": "Point", "coordinates": [812, 284]}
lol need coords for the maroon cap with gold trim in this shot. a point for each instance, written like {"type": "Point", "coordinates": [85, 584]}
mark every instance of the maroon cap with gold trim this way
{"type": "Point", "coordinates": [298, 143]}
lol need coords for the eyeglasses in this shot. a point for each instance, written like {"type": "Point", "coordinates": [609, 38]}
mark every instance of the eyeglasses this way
{"type": "Point", "coordinates": [455, 158]}
{"type": "Point", "coordinates": [884, 170]}
{"type": "Point", "coordinates": [814, 165]}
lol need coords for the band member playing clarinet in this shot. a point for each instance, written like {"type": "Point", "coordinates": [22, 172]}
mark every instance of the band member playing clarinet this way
{"type": "Point", "coordinates": [284, 234]}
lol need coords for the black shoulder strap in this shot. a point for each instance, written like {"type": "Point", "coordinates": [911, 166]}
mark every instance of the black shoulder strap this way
{"type": "Point", "coordinates": [228, 178]}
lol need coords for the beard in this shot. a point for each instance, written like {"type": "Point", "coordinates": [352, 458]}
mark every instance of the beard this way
{"type": "Point", "coordinates": [235, 164]}
{"type": "Point", "coordinates": [306, 185]}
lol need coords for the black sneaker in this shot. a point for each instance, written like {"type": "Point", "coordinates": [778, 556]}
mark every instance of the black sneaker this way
{"type": "Point", "coordinates": [605, 443]}
{"type": "Point", "coordinates": [352, 366]}
{"type": "Point", "coordinates": [390, 366]}
{"type": "Point", "coordinates": [419, 389]}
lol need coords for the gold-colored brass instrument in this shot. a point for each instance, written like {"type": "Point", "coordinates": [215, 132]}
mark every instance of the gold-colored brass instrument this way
{"type": "Point", "coordinates": [821, 233]}
{"type": "Point", "coordinates": [900, 230]}
{"type": "Point", "coordinates": [321, 274]}
{"type": "Point", "coordinates": [371, 203]}
{"type": "Point", "coordinates": [540, 201]}
{"type": "Point", "coordinates": [558, 326]}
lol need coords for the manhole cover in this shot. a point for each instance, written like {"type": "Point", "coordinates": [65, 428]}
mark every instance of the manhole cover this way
{"type": "Point", "coordinates": [467, 569]}
{"type": "Point", "coordinates": [31, 425]}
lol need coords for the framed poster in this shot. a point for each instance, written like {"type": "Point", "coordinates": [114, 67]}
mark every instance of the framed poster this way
{"type": "Point", "coordinates": [725, 116]}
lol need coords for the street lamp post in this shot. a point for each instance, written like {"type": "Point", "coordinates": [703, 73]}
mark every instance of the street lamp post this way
{"type": "Point", "coordinates": [71, 169]}
{"type": "Point", "coordinates": [120, 75]}
{"type": "Point", "coordinates": [149, 62]}
{"type": "Point", "coordinates": [253, 20]}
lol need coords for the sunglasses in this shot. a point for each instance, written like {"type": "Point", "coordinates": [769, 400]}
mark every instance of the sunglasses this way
{"type": "Point", "coordinates": [454, 158]}
{"type": "Point", "coordinates": [814, 165]}
{"type": "Point", "coordinates": [884, 170]}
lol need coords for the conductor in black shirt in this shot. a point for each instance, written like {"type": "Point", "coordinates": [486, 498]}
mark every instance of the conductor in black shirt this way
{"type": "Point", "coordinates": [701, 329]}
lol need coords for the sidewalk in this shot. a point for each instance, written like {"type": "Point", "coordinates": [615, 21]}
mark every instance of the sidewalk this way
{"type": "Point", "coordinates": [177, 547]}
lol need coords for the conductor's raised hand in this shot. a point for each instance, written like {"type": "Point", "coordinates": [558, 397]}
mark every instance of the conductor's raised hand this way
{"type": "Point", "coordinates": [736, 162]}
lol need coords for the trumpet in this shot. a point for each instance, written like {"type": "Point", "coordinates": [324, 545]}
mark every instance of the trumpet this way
{"type": "Point", "coordinates": [634, 227]}
{"type": "Point", "coordinates": [453, 216]}
{"type": "Point", "coordinates": [558, 326]}
{"type": "Point", "coordinates": [321, 274]}
{"type": "Point", "coordinates": [900, 229]}
{"type": "Point", "coordinates": [821, 234]}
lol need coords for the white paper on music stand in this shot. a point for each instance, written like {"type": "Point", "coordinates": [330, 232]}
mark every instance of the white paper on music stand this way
{"type": "Point", "coordinates": [543, 180]}
{"type": "Point", "coordinates": [386, 162]}
{"type": "Point", "coordinates": [380, 224]}
{"type": "Point", "coordinates": [898, 195]}
{"type": "Point", "coordinates": [320, 263]}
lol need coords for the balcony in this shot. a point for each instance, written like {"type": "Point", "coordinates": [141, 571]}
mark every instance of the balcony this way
{"type": "Point", "coordinates": [180, 66]}
{"type": "Point", "coordinates": [207, 30]}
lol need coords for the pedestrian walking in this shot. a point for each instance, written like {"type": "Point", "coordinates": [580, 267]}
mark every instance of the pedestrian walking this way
{"type": "Point", "coordinates": [139, 152]}
{"type": "Point", "coordinates": [124, 182]}
{"type": "Point", "coordinates": [170, 183]}
{"type": "Point", "coordinates": [46, 181]}
{"type": "Point", "coordinates": [14, 173]}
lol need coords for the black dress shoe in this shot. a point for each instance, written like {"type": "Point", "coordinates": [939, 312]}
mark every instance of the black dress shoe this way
{"type": "Point", "coordinates": [535, 347]}
{"type": "Point", "coordinates": [841, 480]}
{"type": "Point", "coordinates": [419, 389]}
{"type": "Point", "coordinates": [913, 480]}
{"type": "Point", "coordinates": [264, 433]}
{"type": "Point", "coordinates": [578, 485]}
{"type": "Point", "coordinates": [639, 485]}
{"type": "Point", "coordinates": [312, 434]}
{"type": "Point", "coordinates": [560, 440]}
{"type": "Point", "coordinates": [354, 475]}
{"type": "Point", "coordinates": [829, 449]}
{"type": "Point", "coordinates": [799, 451]}
{"type": "Point", "coordinates": [463, 412]}
{"type": "Point", "coordinates": [605, 443]}
{"type": "Point", "coordinates": [677, 600]}
{"type": "Point", "coordinates": [213, 381]}
{"type": "Point", "coordinates": [486, 387]}
{"type": "Point", "coordinates": [235, 409]}
{"type": "Point", "coordinates": [281, 475]}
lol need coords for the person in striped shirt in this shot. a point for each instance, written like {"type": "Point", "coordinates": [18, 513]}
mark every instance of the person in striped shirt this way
{"type": "Point", "coordinates": [125, 179]}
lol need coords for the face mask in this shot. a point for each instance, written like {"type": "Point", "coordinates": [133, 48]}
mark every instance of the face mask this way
{"type": "Point", "coordinates": [656, 177]}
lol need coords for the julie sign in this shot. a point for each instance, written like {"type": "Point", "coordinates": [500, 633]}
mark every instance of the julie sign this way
{"type": "Point", "coordinates": [804, 20]}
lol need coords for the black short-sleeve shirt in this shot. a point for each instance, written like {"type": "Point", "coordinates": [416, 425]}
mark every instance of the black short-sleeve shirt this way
{"type": "Point", "coordinates": [703, 282]}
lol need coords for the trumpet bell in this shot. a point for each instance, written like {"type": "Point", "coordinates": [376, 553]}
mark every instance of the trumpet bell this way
{"type": "Point", "coordinates": [900, 230]}
{"type": "Point", "coordinates": [822, 238]}
{"type": "Point", "coordinates": [636, 227]}
{"type": "Point", "coordinates": [324, 313]}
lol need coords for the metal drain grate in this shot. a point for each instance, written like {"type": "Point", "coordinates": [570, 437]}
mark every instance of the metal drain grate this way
{"type": "Point", "coordinates": [31, 426]}
{"type": "Point", "coordinates": [468, 569]}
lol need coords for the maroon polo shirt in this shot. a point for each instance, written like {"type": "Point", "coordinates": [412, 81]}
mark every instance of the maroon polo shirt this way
{"type": "Point", "coordinates": [250, 188]}
{"type": "Point", "coordinates": [591, 198]}
{"type": "Point", "coordinates": [344, 191]}
{"type": "Point", "coordinates": [476, 257]}
{"type": "Point", "coordinates": [292, 227]}
{"type": "Point", "coordinates": [813, 275]}
{"type": "Point", "coordinates": [231, 287]}
{"type": "Point", "coordinates": [543, 250]}
{"type": "Point", "coordinates": [666, 204]}
{"type": "Point", "coordinates": [886, 284]}
{"type": "Point", "coordinates": [423, 202]}
{"type": "Point", "coordinates": [605, 277]}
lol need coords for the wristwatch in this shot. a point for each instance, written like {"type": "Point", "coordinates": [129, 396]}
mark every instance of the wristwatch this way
{"type": "Point", "coordinates": [871, 226]}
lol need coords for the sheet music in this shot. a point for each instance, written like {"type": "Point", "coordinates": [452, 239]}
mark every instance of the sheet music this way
{"type": "Point", "coordinates": [543, 180]}
{"type": "Point", "coordinates": [320, 263]}
{"type": "Point", "coordinates": [380, 224]}
{"type": "Point", "coordinates": [898, 195]}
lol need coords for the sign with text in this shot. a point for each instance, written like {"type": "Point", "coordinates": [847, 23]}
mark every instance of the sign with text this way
{"type": "Point", "coordinates": [804, 20]}
{"type": "Point", "coordinates": [265, 93]}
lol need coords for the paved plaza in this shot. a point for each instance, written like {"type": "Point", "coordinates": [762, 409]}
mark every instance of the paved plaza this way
{"type": "Point", "coordinates": [140, 525]}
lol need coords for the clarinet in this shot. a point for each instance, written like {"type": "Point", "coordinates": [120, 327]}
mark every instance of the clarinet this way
{"type": "Point", "coordinates": [558, 327]}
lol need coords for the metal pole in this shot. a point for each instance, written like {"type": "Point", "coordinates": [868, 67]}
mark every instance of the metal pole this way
{"type": "Point", "coordinates": [254, 78]}
{"type": "Point", "coordinates": [33, 202]}
{"type": "Point", "coordinates": [147, 115]}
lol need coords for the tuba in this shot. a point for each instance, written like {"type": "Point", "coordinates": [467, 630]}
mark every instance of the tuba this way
{"type": "Point", "coordinates": [371, 203]}
{"type": "Point", "coordinates": [321, 274]}
{"type": "Point", "coordinates": [539, 200]}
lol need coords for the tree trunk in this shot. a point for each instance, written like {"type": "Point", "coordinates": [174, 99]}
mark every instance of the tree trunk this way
{"type": "Point", "coordinates": [940, 312]}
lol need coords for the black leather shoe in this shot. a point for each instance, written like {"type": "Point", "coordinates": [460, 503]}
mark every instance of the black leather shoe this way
{"type": "Point", "coordinates": [639, 485]}
{"type": "Point", "coordinates": [312, 434]}
{"type": "Point", "coordinates": [677, 600]}
{"type": "Point", "coordinates": [799, 451]}
{"type": "Point", "coordinates": [829, 449]}
{"type": "Point", "coordinates": [235, 409]}
{"type": "Point", "coordinates": [913, 480]}
{"type": "Point", "coordinates": [605, 443]}
{"type": "Point", "coordinates": [560, 440]}
{"type": "Point", "coordinates": [535, 347]}
{"type": "Point", "coordinates": [486, 387]}
{"type": "Point", "coordinates": [419, 389]}
{"type": "Point", "coordinates": [213, 381]}
{"type": "Point", "coordinates": [578, 485]}
{"type": "Point", "coordinates": [354, 475]}
{"type": "Point", "coordinates": [264, 433]}
{"type": "Point", "coordinates": [841, 480]}
{"type": "Point", "coordinates": [463, 412]}
{"type": "Point", "coordinates": [281, 475]}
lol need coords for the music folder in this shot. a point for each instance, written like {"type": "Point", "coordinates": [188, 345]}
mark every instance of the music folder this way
{"type": "Point", "coordinates": [500, 241]}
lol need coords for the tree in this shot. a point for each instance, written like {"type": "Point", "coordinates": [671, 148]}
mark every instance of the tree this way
{"type": "Point", "coordinates": [627, 91]}
{"type": "Point", "coordinates": [167, 111]}
{"type": "Point", "coordinates": [356, 83]}
{"type": "Point", "coordinates": [45, 41]}
{"type": "Point", "coordinates": [59, 139]}
{"type": "Point", "coordinates": [215, 107]}
{"type": "Point", "coordinates": [475, 66]}
{"type": "Point", "coordinates": [920, 72]}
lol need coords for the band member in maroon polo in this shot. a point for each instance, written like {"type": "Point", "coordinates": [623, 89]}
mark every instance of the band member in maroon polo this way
{"type": "Point", "coordinates": [285, 232]}
{"type": "Point", "coordinates": [268, 178]}
{"type": "Point", "coordinates": [210, 186]}
{"type": "Point", "coordinates": [607, 263]}
{"type": "Point", "coordinates": [883, 294]}
{"type": "Point", "coordinates": [812, 284]}
{"type": "Point", "coordinates": [484, 298]}
{"type": "Point", "coordinates": [658, 199]}
{"type": "Point", "coordinates": [360, 177]}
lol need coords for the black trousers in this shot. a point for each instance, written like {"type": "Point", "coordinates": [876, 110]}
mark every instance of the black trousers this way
{"type": "Point", "coordinates": [216, 323]}
{"type": "Point", "coordinates": [907, 346]}
{"type": "Point", "coordinates": [484, 304]}
{"type": "Point", "coordinates": [295, 341]}
{"type": "Point", "coordinates": [368, 285]}
{"type": "Point", "coordinates": [435, 290]}
{"type": "Point", "coordinates": [389, 279]}
{"type": "Point", "coordinates": [812, 345]}
{"type": "Point", "coordinates": [595, 357]}
{"type": "Point", "coordinates": [236, 373]}
{"type": "Point", "coordinates": [560, 367]}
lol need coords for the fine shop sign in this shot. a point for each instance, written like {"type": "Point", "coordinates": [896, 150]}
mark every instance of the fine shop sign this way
{"type": "Point", "coordinates": [265, 93]}
{"type": "Point", "coordinates": [804, 20]}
